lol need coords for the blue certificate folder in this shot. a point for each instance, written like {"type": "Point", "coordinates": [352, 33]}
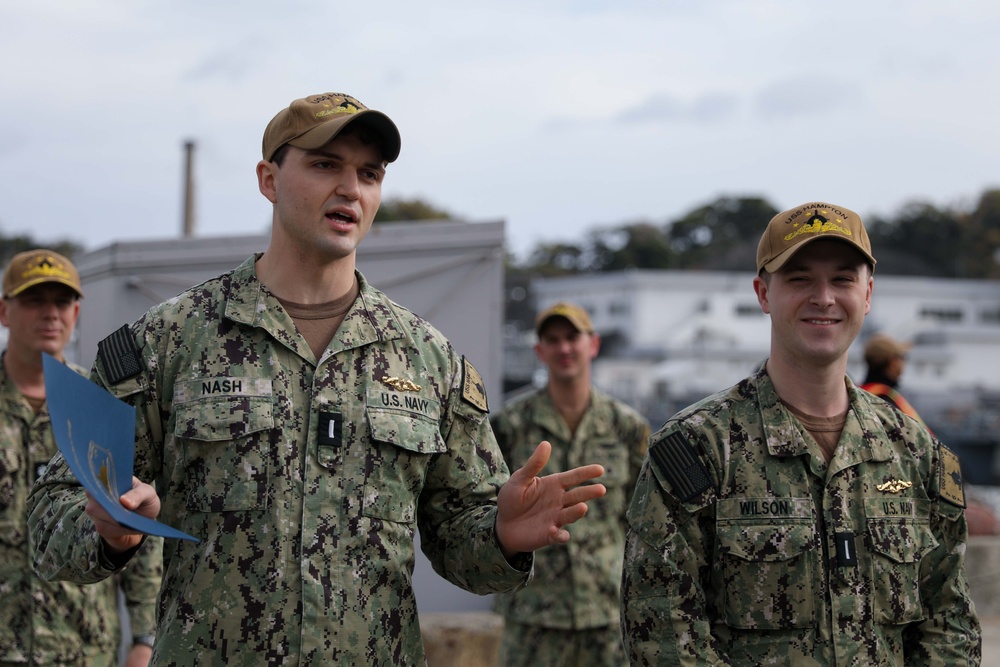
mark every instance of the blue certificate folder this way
{"type": "Point", "coordinates": [96, 434]}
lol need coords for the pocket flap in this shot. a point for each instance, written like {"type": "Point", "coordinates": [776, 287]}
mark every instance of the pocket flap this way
{"type": "Point", "coordinates": [902, 541]}
{"type": "Point", "coordinates": [223, 417]}
{"type": "Point", "coordinates": [766, 542]}
{"type": "Point", "coordinates": [408, 431]}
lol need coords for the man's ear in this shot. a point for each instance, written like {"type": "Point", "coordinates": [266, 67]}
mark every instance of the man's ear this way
{"type": "Point", "coordinates": [760, 288]}
{"type": "Point", "coordinates": [266, 173]}
{"type": "Point", "coordinates": [868, 297]}
{"type": "Point", "coordinates": [595, 345]}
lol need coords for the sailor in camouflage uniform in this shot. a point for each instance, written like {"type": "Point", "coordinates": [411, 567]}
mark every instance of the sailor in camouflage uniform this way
{"type": "Point", "coordinates": [569, 614]}
{"type": "Point", "coordinates": [794, 519]}
{"type": "Point", "coordinates": [303, 426]}
{"type": "Point", "coordinates": [42, 622]}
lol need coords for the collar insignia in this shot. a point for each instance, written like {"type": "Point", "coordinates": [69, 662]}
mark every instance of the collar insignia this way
{"type": "Point", "coordinates": [399, 384]}
{"type": "Point", "coordinates": [894, 486]}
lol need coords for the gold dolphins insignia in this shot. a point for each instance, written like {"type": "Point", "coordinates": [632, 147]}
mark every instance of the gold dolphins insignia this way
{"type": "Point", "coordinates": [399, 384]}
{"type": "Point", "coordinates": [894, 486]}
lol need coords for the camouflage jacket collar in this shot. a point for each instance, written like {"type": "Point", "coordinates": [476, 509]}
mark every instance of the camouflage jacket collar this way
{"type": "Point", "coordinates": [597, 420]}
{"type": "Point", "coordinates": [863, 439]}
{"type": "Point", "coordinates": [371, 318]}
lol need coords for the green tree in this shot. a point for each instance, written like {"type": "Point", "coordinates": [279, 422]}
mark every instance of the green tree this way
{"type": "Point", "coordinates": [718, 229]}
{"type": "Point", "coordinates": [920, 239]}
{"type": "Point", "coordinates": [639, 245]}
{"type": "Point", "coordinates": [981, 239]}
{"type": "Point", "coordinates": [556, 259]}
{"type": "Point", "coordinates": [11, 245]}
{"type": "Point", "coordinates": [398, 209]}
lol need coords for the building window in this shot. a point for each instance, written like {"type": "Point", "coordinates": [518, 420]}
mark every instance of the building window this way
{"type": "Point", "coordinates": [748, 310]}
{"type": "Point", "coordinates": [991, 316]}
{"type": "Point", "coordinates": [619, 308]}
{"type": "Point", "coordinates": [941, 314]}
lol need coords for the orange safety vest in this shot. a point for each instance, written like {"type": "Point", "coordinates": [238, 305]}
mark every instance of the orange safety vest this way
{"type": "Point", "coordinates": [896, 398]}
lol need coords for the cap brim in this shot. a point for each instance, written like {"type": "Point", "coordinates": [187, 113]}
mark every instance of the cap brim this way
{"type": "Point", "coordinates": [320, 135]}
{"type": "Point", "coordinates": [775, 264]}
{"type": "Point", "coordinates": [44, 281]}
{"type": "Point", "coordinates": [574, 322]}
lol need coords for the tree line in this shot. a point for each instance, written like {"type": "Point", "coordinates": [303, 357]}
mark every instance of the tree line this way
{"type": "Point", "coordinates": [919, 239]}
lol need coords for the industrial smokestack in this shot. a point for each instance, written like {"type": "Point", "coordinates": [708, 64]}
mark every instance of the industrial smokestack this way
{"type": "Point", "coordinates": [187, 229]}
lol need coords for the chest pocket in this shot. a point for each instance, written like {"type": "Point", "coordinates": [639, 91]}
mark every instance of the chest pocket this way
{"type": "Point", "coordinates": [769, 572]}
{"type": "Point", "coordinates": [224, 442]}
{"type": "Point", "coordinates": [613, 455]}
{"type": "Point", "coordinates": [403, 444]}
{"type": "Point", "coordinates": [897, 546]}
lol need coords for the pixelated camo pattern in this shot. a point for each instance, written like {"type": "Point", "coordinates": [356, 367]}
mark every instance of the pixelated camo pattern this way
{"type": "Point", "coordinates": [576, 585]}
{"type": "Point", "coordinates": [305, 481]}
{"type": "Point", "coordinates": [789, 560]}
{"type": "Point", "coordinates": [52, 622]}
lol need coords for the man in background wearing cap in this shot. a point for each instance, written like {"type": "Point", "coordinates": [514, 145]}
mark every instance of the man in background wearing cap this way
{"type": "Point", "coordinates": [304, 426]}
{"type": "Point", "coordinates": [886, 358]}
{"type": "Point", "coordinates": [41, 622]}
{"type": "Point", "coordinates": [794, 519]}
{"type": "Point", "coordinates": [569, 614]}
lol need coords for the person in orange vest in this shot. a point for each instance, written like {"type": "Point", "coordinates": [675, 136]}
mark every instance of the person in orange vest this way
{"type": "Point", "coordinates": [886, 359]}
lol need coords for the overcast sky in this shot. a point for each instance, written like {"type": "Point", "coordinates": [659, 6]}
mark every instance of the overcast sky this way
{"type": "Point", "coordinates": [555, 116]}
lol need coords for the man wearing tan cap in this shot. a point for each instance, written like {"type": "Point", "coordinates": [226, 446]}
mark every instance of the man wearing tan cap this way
{"type": "Point", "coordinates": [794, 519]}
{"type": "Point", "coordinates": [304, 427]}
{"type": "Point", "coordinates": [568, 616]}
{"type": "Point", "coordinates": [885, 358]}
{"type": "Point", "coordinates": [42, 622]}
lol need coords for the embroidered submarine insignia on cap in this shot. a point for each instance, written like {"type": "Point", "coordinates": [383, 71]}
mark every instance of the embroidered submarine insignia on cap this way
{"type": "Point", "coordinates": [399, 384]}
{"type": "Point", "coordinates": [894, 486]}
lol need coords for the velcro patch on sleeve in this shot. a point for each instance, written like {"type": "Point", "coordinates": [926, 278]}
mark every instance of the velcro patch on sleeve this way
{"type": "Point", "coordinates": [120, 356]}
{"type": "Point", "coordinates": [473, 388]}
{"type": "Point", "coordinates": [951, 487]}
{"type": "Point", "coordinates": [679, 462]}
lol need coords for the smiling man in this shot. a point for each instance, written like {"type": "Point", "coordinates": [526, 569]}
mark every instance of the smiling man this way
{"type": "Point", "coordinates": [304, 427]}
{"type": "Point", "coordinates": [568, 616]}
{"type": "Point", "coordinates": [794, 519]}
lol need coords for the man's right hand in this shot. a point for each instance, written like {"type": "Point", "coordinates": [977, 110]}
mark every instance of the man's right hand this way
{"type": "Point", "coordinates": [142, 499]}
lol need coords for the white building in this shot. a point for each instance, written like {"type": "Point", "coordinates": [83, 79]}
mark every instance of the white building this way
{"type": "Point", "coordinates": [671, 337]}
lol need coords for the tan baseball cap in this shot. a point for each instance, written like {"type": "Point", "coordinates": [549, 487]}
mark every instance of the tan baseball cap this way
{"type": "Point", "coordinates": [310, 122]}
{"type": "Point", "coordinates": [880, 349]}
{"type": "Point", "coordinates": [35, 267]}
{"type": "Point", "coordinates": [576, 315]}
{"type": "Point", "coordinates": [789, 231]}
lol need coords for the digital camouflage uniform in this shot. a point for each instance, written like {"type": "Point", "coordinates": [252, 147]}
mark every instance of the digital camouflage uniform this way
{"type": "Point", "coordinates": [576, 585]}
{"type": "Point", "coordinates": [747, 548]}
{"type": "Point", "coordinates": [305, 482]}
{"type": "Point", "coordinates": [55, 623]}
